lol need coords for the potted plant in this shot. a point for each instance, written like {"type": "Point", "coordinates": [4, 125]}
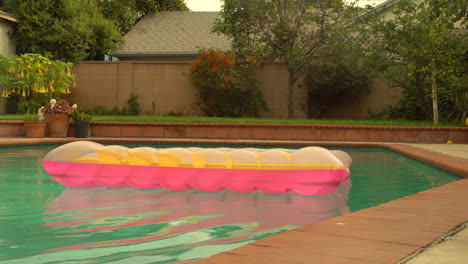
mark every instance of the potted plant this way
{"type": "Point", "coordinates": [57, 115]}
{"type": "Point", "coordinates": [35, 125]}
{"type": "Point", "coordinates": [81, 121]}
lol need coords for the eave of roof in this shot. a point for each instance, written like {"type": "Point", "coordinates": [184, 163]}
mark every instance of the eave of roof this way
{"type": "Point", "coordinates": [386, 4]}
{"type": "Point", "coordinates": [139, 55]}
{"type": "Point", "coordinates": [6, 16]}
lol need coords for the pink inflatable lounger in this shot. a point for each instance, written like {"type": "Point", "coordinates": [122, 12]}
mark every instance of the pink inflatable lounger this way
{"type": "Point", "coordinates": [312, 171]}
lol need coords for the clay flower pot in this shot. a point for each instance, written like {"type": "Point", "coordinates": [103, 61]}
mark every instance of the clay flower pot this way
{"type": "Point", "coordinates": [35, 129]}
{"type": "Point", "coordinates": [57, 124]}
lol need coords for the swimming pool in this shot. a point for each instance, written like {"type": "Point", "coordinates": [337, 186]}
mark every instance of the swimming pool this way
{"type": "Point", "coordinates": [43, 222]}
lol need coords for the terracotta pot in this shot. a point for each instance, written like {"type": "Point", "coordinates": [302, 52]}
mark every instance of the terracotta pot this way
{"type": "Point", "coordinates": [35, 129]}
{"type": "Point", "coordinates": [57, 124]}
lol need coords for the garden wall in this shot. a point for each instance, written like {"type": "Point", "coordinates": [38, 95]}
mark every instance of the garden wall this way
{"type": "Point", "coordinates": [162, 82]}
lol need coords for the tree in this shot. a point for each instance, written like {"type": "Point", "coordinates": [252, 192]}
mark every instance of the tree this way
{"type": "Point", "coordinates": [426, 56]}
{"type": "Point", "coordinates": [69, 30]}
{"type": "Point", "coordinates": [126, 13]}
{"type": "Point", "coordinates": [339, 71]}
{"type": "Point", "coordinates": [288, 31]}
{"type": "Point", "coordinates": [105, 36]}
{"type": "Point", "coordinates": [456, 10]}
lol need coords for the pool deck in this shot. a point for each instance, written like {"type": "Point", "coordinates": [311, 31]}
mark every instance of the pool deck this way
{"type": "Point", "coordinates": [426, 227]}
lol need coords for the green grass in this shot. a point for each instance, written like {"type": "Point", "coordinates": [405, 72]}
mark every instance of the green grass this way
{"type": "Point", "coordinates": [200, 119]}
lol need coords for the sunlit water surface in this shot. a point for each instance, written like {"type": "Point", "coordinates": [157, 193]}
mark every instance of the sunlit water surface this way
{"type": "Point", "coordinates": [42, 221]}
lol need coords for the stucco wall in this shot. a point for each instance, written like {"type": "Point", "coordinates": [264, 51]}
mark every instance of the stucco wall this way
{"type": "Point", "coordinates": [379, 97]}
{"type": "Point", "coordinates": [7, 49]}
{"type": "Point", "coordinates": [109, 84]}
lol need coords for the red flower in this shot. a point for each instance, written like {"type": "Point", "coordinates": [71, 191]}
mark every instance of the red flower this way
{"type": "Point", "coordinates": [61, 107]}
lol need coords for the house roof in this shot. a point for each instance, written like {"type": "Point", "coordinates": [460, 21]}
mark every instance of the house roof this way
{"type": "Point", "coordinates": [386, 4]}
{"type": "Point", "coordinates": [172, 33]}
{"type": "Point", "coordinates": [6, 16]}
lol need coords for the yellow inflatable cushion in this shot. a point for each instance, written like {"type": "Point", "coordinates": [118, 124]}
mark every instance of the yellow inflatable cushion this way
{"type": "Point", "coordinates": [87, 160]}
{"type": "Point", "coordinates": [168, 159]}
{"type": "Point", "coordinates": [198, 161]}
{"type": "Point", "coordinates": [109, 156]}
{"type": "Point", "coordinates": [301, 166]}
{"type": "Point", "coordinates": [140, 158]}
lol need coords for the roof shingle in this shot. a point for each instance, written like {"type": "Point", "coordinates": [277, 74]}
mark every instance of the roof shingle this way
{"type": "Point", "coordinates": [172, 33]}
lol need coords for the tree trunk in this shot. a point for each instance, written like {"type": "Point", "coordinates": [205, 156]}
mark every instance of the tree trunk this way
{"type": "Point", "coordinates": [292, 81]}
{"type": "Point", "coordinates": [435, 106]}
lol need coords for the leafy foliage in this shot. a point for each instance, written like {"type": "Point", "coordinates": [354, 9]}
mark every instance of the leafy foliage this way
{"type": "Point", "coordinates": [422, 50]}
{"type": "Point", "coordinates": [126, 13]}
{"type": "Point", "coordinates": [133, 105]}
{"type": "Point", "coordinates": [338, 71]}
{"type": "Point", "coordinates": [69, 30]}
{"type": "Point", "coordinates": [79, 115]}
{"type": "Point", "coordinates": [288, 31]}
{"type": "Point", "coordinates": [226, 87]}
{"type": "Point", "coordinates": [102, 111]}
{"type": "Point", "coordinates": [29, 73]}
{"type": "Point", "coordinates": [28, 107]}
{"type": "Point", "coordinates": [456, 10]}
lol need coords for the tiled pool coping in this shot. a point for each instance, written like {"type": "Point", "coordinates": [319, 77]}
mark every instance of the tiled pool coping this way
{"type": "Point", "coordinates": [387, 233]}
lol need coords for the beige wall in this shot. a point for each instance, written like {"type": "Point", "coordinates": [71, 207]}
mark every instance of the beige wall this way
{"type": "Point", "coordinates": [379, 97]}
{"type": "Point", "coordinates": [7, 49]}
{"type": "Point", "coordinates": [109, 84]}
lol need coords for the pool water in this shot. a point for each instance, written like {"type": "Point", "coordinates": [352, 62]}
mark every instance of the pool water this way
{"type": "Point", "coordinates": [42, 221]}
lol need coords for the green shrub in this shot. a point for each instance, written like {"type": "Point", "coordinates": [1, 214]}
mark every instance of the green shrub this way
{"type": "Point", "coordinates": [102, 111]}
{"type": "Point", "coordinates": [28, 107]}
{"type": "Point", "coordinates": [79, 115]}
{"type": "Point", "coordinates": [124, 111]}
{"type": "Point", "coordinates": [12, 104]}
{"type": "Point", "coordinates": [133, 105]}
{"type": "Point", "coordinates": [173, 113]}
{"type": "Point", "coordinates": [338, 72]}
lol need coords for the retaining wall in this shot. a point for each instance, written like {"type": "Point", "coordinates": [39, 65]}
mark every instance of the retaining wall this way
{"type": "Point", "coordinates": [262, 131]}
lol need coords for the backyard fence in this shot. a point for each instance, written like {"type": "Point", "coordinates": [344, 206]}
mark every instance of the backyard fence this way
{"type": "Point", "coordinates": [162, 87]}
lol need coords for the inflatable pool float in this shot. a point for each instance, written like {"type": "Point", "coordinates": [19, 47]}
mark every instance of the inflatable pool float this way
{"type": "Point", "coordinates": [307, 171]}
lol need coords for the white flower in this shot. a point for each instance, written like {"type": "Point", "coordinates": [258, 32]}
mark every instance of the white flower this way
{"type": "Point", "coordinates": [52, 103]}
{"type": "Point", "coordinates": [74, 107]}
{"type": "Point", "coordinates": [40, 115]}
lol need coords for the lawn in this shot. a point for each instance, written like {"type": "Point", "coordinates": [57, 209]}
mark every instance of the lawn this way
{"type": "Point", "coordinates": [202, 119]}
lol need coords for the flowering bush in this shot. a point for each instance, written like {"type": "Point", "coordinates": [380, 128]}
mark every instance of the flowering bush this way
{"type": "Point", "coordinates": [58, 107]}
{"type": "Point", "coordinates": [213, 70]}
{"type": "Point", "coordinates": [33, 73]}
{"type": "Point", "coordinates": [226, 87]}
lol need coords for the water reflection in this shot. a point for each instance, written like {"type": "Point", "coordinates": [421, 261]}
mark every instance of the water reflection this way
{"type": "Point", "coordinates": [130, 224]}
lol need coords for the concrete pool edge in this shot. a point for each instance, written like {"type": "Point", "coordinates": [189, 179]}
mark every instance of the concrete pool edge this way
{"type": "Point", "coordinates": [387, 233]}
